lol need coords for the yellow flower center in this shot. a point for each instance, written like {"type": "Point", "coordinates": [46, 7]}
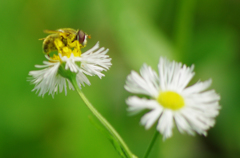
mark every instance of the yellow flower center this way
{"type": "Point", "coordinates": [55, 57]}
{"type": "Point", "coordinates": [170, 100]}
{"type": "Point", "coordinates": [65, 50]}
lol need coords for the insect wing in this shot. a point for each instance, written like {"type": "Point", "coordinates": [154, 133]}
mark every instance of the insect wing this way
{"type": "Point", "coordinates": [51, 31]}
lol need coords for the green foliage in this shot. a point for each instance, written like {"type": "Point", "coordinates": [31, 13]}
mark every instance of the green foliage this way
{"type": "Point", "coordinates": [204, 33]}
{"type": "Point", "coordinates": [116, 144]}
{"type": "Point", "coordinates": [108, 129]}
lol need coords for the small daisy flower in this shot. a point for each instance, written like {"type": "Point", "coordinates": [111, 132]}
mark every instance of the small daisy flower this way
{"type": "Point", "coordinates": [50, 80]}
{"type": "Point", "coordinates": [192, 108]}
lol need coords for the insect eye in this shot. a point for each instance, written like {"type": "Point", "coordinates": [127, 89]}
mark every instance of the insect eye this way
{"type": "Point", "coordinates": [81, 36]}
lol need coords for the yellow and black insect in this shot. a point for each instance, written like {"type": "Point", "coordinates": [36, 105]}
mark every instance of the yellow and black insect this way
{"type": "Point", "coordinates": [65, 37]}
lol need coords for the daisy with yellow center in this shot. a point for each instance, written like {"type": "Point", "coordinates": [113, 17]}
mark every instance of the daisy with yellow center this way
{"type": "Point", "coordinates": [50, 79]}
{"type": "Point", "coordinates": [193, 109]}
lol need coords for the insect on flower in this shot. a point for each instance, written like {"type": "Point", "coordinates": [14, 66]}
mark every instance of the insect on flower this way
{"type": "Point", "coordinates": [65, 37]}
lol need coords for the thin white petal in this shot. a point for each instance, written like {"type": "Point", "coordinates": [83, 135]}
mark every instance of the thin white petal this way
{"type": "Point", "coordinates": [150, 118]}
{"type": "Point", "coordinates": [46, 80]}
{"type": "Point", "coordinates": [165, 124]}
{"type": "Point", "coordinates": [146, 83]}
{"type": "Point", "coordinates": [174, 76]}
{"type": "Point", "coordinates": [137, 104]}
{"type": "Point", "coordinates": [197, 87]}
{"type": "Point", "coordinates": [182, 124]}
{"type": "Point", "coordinates": [95, 60]}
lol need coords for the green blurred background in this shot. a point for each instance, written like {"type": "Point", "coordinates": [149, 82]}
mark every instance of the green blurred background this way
{"type": "Point", "coordinates": [204, 33]}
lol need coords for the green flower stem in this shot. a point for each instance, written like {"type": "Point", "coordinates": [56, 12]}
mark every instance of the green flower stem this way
{"type": "Point", "coordinates": [151, 144]}
{"type": "Point", "coordinates": [104, 122]}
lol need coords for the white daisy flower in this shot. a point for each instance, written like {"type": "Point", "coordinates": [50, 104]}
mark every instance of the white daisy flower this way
{"type": "Point", "coordinates": [48, 80]}
{"type": "Point", "coordinates": [191, 108]}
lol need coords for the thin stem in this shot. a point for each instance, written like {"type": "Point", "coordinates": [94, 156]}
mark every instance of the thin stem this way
{"type": "Point", "coordinates": [104, 122]}
{"type": "Point", "coordinates": [151, 144]}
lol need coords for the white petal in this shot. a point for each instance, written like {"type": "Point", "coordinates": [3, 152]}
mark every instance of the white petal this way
{"type": "Point", "coordinates": [70, 63]}
{"type": "Point", "coordinates": [165, 124]}
{"type": "Point", "coordinates": [94, 63]}
{"type": "Point", "coordinates": [138, 104]}
{"type": "Point", "coordinates": [150, 118]}
{"type": "Point", "coordinates": [204, 97]}
{"type": "Point", "coordinates": [200, 126]}
{"type": "Point", "coordinates": [197, 87]}
{"type": "Point", "coordinates": [147, 83]}
{"type": "Point", "coordinates": [174, 76]}
{"type": "Point", "coordinates": [182, 124]}
{"type": "Point", "coordinates": [46, 80]}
